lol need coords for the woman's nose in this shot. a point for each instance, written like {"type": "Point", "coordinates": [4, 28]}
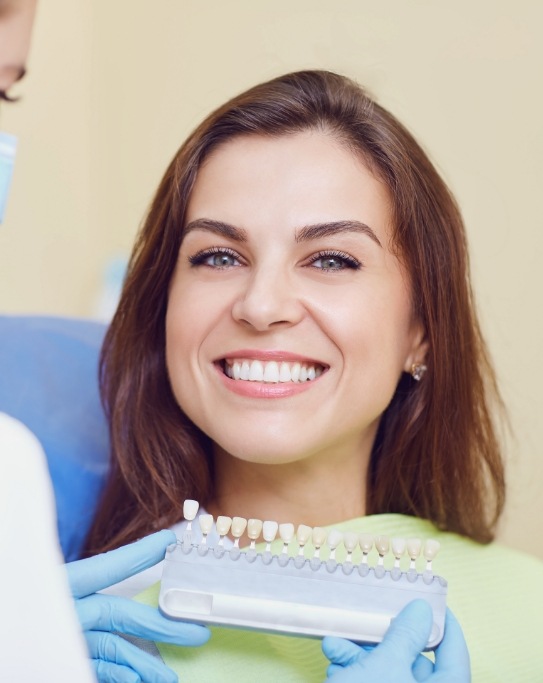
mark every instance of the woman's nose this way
{"type": "Point", "coordinates": [269, 299]}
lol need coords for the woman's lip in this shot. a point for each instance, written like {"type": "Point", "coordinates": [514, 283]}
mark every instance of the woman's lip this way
{"type": "Point", "coordinates": [269, 355]}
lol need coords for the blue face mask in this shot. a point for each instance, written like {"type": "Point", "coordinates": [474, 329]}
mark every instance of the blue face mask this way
{"type": "Point", "coordinates": [8, 146]}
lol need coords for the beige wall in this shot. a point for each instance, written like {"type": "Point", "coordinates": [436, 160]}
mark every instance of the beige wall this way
{"type": "Point", "coordinates": [115, 86]}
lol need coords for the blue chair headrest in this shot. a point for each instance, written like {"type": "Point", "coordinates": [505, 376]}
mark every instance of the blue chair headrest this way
{"type": "Point", "coordinates": [49, 381]}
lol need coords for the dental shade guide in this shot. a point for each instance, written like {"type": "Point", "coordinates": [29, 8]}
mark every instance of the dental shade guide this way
{"type": "Point", "coordinates": [299, 594]}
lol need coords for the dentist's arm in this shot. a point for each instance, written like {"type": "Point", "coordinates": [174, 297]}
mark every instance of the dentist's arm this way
{"type": "Point", "coordinates": [398, 658]}
{"type": "Point", "coordinates": [102, 616]}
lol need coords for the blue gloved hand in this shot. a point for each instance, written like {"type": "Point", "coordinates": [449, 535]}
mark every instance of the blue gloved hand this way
{"type": "Point", "coordinates": [114, 659]}
{"type": "Point", "coordinates": [398, 658]}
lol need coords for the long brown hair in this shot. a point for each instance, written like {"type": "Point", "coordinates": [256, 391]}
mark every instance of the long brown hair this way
{"type": "Point", "coordinates": [436, 454]}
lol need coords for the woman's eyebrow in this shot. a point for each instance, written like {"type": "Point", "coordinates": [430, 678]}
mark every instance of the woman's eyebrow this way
{"type": "Point", "coordinates": [311, 232]}
{"type": "Point", "coordinates": [218, 227]}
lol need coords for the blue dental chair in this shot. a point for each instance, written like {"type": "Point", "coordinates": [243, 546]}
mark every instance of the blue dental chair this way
{"type": "Point", "coordinates": [49, 381]}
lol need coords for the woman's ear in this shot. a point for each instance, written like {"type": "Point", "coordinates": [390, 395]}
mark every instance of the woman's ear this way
{"type": "Point", "coordinates": [419, 348]}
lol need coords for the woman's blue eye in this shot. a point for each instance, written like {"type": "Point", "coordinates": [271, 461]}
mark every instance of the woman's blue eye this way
{"type": "Point", "coordinates": [220, 260]}
{"type": "Point", "coordinates": [335, 262]}
{"type": "Point", "coordinates": [329, 263]}
{"type": "Point", "coordinates": [215, 258]}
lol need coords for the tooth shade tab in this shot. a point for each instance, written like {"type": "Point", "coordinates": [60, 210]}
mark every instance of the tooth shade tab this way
{"type": "Point", "coordinates": [206, 524]}
{"type": "Point", "coordinates": [269, 531]}
{"type": "Point", "coordinates": [398, 549]}
{"type": "Point", "coordinates": [286, 534]}
{"type": "Point", "coordinates": [271, 372]}
{"type": "Point", "coordinates": [366, 543]}
{"type": "Point", "coordinates": [350, 541]}
{"type": "Point", "coordinates": [254, 528]}
{"type": "Point", "coordinates": [414, 547]}
{"type": "Point", "coordinates": [223, 525]}
{"type": "Point", "coordinates": [431, 548]}
{"type": "Point", "coordinates": [239, 524]}
{"type": "Point", "coordinates": [382, 544]}
{"type": "Point", "coordinates": [190, 509]}
{"type": "Point", "coordinates": [318, 537]}
{"type": "Point", "coordinates": [303, 534]}
{"type": "Point", "coordinates": [333, 540]}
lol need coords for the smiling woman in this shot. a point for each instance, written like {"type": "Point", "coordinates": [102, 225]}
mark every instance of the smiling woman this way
{"type": "Point", "coordinates": [300, 219]}
{"type": "Point", "coordinates": [296, 340]}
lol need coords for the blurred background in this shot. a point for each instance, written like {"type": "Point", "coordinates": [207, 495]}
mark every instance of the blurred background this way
{"type": "Point", "coordinates": [114, 87]}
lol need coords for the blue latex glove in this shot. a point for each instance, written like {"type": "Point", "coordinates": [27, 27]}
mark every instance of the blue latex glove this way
{"type": "Point", "coordinates": [398, 658]}
{"type": "Point", "coordinates": [114, 659]}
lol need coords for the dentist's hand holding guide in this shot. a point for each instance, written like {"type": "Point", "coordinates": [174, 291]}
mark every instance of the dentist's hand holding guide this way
{"type": "Point", "coordinates": [102, 617]}
{"type": "Point", "coordinates": [397, 659]}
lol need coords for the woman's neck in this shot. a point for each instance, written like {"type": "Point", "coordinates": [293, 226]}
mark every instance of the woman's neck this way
{"type": "Point", "coordinates": [323, 489]}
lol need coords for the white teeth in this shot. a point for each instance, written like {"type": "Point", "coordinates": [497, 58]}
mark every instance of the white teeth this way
{"type": "Point", "coordinates": [271, 372]}
{"type": "Point", "coordinates": [284, 373]}
{"type": "Point", "coordinates": [245, 371]}
{"type": "Point", "coordinates": [257, 371]}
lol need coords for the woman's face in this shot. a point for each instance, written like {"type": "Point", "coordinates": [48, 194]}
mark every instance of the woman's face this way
{"type": "Point", "coordinates": [289, 319]}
